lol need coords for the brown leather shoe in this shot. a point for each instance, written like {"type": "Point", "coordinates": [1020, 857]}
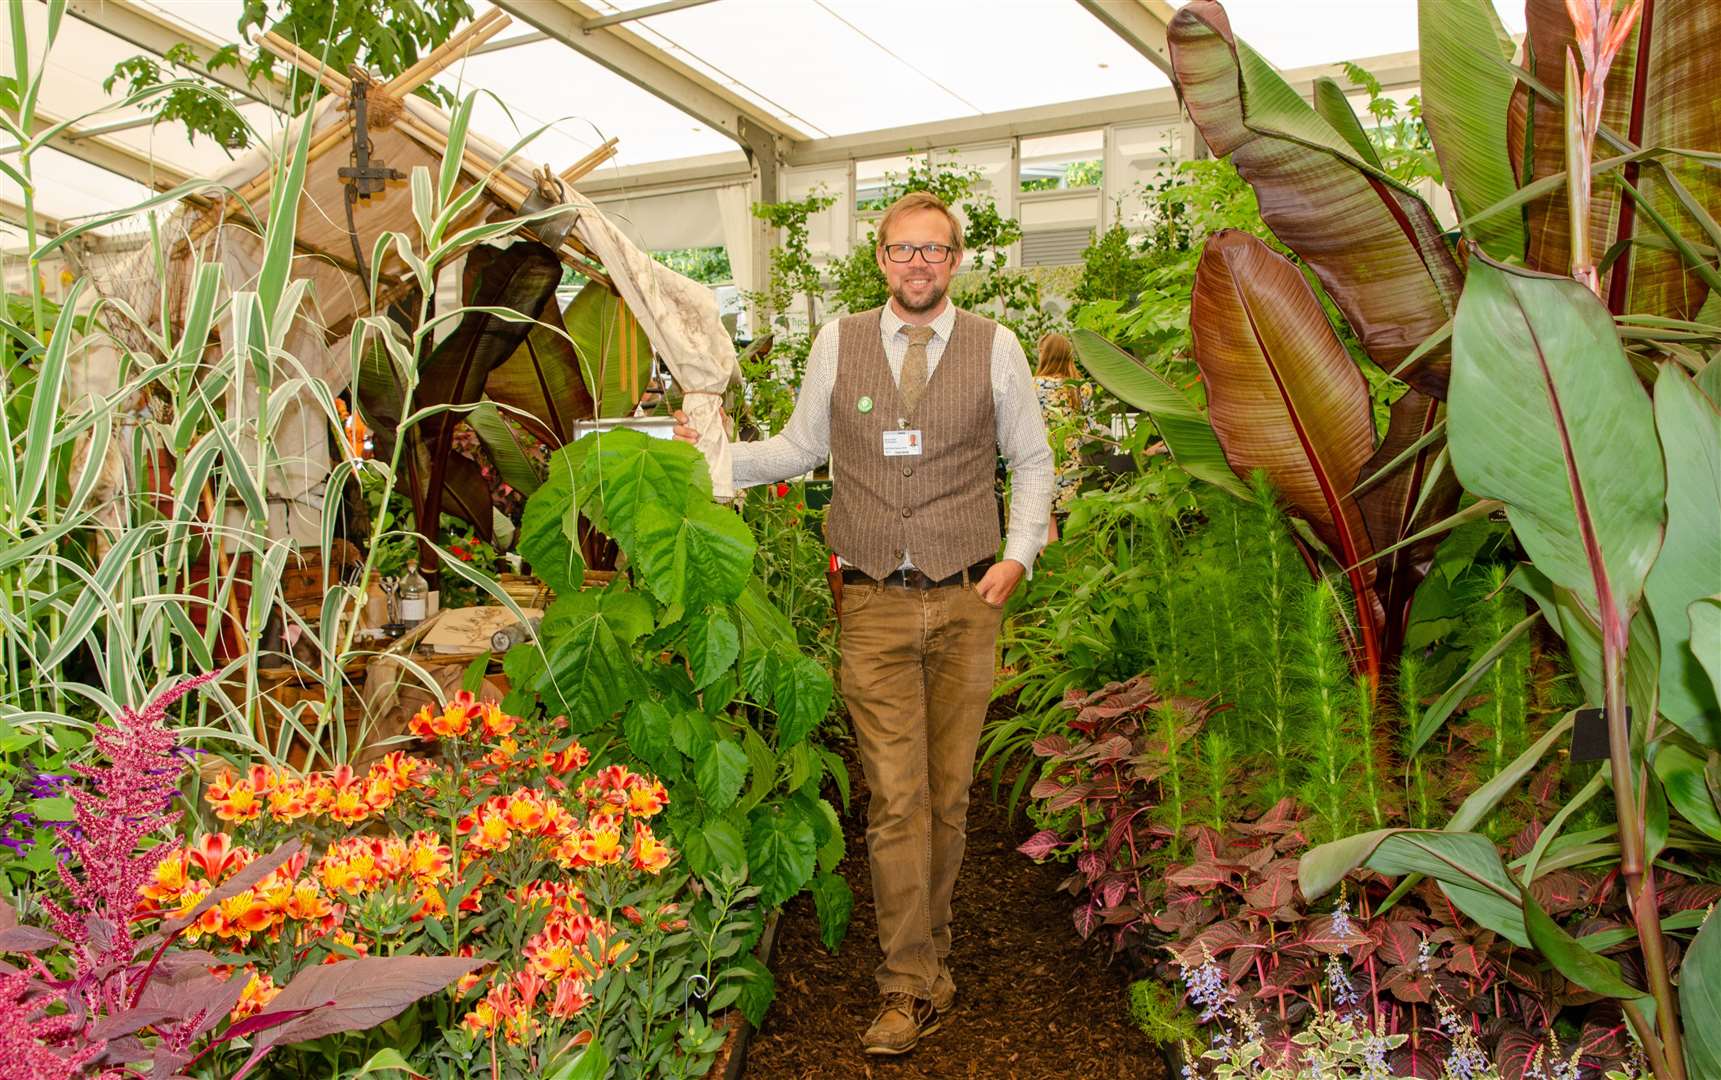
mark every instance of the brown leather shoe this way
{"type": "Point", "coordinates": [900, 1024]}
{"type": "Point", "coordinates": [943, 989]}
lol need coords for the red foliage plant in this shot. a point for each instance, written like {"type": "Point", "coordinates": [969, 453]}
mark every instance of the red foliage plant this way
{"type": "Point", "coordinates": [94, 998]}
{"type": "Point", "coordinates": [1230, 926]}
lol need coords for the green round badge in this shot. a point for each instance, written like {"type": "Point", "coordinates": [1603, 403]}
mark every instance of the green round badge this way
{"type": "Point", "coordinates": [864, 404]}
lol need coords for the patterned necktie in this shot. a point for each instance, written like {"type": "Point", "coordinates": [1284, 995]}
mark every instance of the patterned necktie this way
{"type": "Point", "coordinates": [912, 382]}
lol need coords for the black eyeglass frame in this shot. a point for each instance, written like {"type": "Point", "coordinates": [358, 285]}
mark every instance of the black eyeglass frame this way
{"type": "Point", "coordinates": [892, 250]}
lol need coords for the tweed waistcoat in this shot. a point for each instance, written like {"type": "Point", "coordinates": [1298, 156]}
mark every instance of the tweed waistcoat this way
{"type": "Point", "coordinates": [937, 507]}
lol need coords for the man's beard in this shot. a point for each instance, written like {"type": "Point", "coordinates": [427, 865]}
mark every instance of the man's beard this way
{"type": "Point", "coordinates": [934, 299]}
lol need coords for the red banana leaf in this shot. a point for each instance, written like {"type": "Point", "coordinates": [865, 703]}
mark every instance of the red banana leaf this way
{"type": "Point", "coordinates": [1373, 243]}
{"type": "Point", "coordinates": [1663, 95]}
{"type": "Point", "coordinates": [1285, 397]}
{"type": "Point", "coordinates": [521, 277]}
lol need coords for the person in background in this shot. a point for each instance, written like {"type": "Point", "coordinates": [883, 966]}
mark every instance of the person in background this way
{"type": "Point", "coordinates": [912, 403]}
{"type": "Point", "coordinates": [1066, 404]}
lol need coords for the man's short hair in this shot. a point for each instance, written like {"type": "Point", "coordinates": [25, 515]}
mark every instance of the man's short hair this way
{"type": "Point", "coordinates": [919, 200]}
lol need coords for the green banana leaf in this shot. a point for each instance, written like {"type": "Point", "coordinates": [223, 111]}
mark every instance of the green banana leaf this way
{"type": "Point", "coordinates": [1547, 416]}
{"type": "Point", "coordinates": [1180, 422]}
{"type": "Point", "coordinates": [1664, 98]}
{"type": "Point", "coordinates": [1700, 996]}
{"type": "Point", "coordinates": [1466, 865]}
{"type": "Point", "coordinates": [1689, 566]}
{"type": "Point", "coordinates": [1373, 243]}
{"type": "Point", "coordinates": [615, 354]}
{"type": "Point", "coordinates": [1466, 97]}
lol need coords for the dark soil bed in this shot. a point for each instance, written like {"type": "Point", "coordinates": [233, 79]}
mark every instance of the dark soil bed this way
{"type": "Point", "coordinates": [1034, 1002]}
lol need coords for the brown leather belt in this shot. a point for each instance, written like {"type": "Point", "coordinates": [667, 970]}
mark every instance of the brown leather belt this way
{"type": "Point", "coordinates": [915, 579]}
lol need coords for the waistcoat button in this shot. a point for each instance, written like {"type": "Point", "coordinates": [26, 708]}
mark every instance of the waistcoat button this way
{"type": "Point", "coordinates": [899, 554]}
{"type": "Point", "coordinates": [908, 470]}
{"type": "Point", "coordinates": [908, 511]}
{"type": "Point", "coordinates": [902, 421]}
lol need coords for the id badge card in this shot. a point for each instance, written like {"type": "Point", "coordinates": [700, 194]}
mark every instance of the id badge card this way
{"type": "Point", "coordinates": [902, 443]}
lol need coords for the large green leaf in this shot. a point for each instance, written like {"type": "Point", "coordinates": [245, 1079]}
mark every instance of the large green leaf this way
{"type": "Point", "coordinates": [1592, 971]}
{"type": "Point", "coordinates": [587, 634]}
{"type": "Point", "coordinates": [1664, 98]}
{"type": "Point", "coordinates": [549, 525]}
{"type": "Point", "coordinates": [631, 471]}
{"type": "Point", "coordinates": [801, 692]}
{"type": "Point", "coordinates": [1373, 243]}
{"type": "Point", "coordinates": [834, 903]}
{"type": "Point", "coordinates": [507, 451]}
{"type": "Point", "coordinates": [1689, 566]}
{"type": "Point", "coordinates": [1180, 423]}
{"type": "Point", "coordinates": [1547, 416]}
{"type": "Point", "coordinates": [1466, 865]}
{"type": "Point", "coordinates": [702, 556]}
{"type": "Point", "coordinates": [1466, 96]}
{"type": "Point", "coordinates": [780, 853]}
{"type": "Point", "coordinates": [720, 772]}
{"type": "Point", "coordinates": [1700, 998]}
{"type": "Point", "coordinates": [712, 645]}
{"type": "Point", "coordinates": [1705, 618]}
{"type": "Point", "coordinates": [1681, 775]}
{"type": "Point", "coordinates": [615, 354]}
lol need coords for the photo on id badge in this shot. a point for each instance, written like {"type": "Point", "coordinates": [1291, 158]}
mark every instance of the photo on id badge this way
{"type": "Point", "coordinates": [902, 443]}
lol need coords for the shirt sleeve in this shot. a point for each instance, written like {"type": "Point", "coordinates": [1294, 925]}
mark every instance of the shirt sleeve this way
{"type": "Point", "coordinates": [1027, 451]}
{"type": "Point", "coordinates": [805, 441]}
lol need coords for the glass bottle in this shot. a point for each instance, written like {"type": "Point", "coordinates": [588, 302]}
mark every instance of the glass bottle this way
{"type": "Point", "coordinates": [414, 591]}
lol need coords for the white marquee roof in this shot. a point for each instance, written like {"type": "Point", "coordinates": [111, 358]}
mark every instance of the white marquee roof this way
{"type": "Point", "coordinates": [814, 69]}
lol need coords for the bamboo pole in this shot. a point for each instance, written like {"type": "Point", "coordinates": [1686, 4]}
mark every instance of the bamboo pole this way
{"type": "Point", "coordinates": [436, 61]}
{"type": "Point", "coordinates": [331, 79]}
{"type": "Point", "coordinates": [582, 168]}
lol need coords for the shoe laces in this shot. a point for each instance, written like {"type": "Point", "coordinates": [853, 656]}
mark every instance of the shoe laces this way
{"type": "Point", "coordinates": [900, 1000]}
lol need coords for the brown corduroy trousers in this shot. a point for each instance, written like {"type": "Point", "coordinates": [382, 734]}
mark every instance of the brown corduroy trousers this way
{"type": "Point", "coordinates": [917, 670]}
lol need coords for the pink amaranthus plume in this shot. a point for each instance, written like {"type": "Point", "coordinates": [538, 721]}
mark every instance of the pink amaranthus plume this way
{"type": "Point", "coordinates": [132, 798]}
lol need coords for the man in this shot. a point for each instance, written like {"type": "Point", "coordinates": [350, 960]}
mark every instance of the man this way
{"type": "Point", "coordinates": [911, 403]}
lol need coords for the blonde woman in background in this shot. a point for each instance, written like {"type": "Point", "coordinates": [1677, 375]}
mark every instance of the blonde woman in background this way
{"type": "Point", "coordinates": [1065, 401]}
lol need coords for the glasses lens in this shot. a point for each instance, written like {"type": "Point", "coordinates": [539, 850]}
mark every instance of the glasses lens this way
{"type": "Point", "coordinates": [901, 253]}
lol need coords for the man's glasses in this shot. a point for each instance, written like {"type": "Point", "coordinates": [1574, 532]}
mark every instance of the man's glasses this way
{"type": "Point", "coordinates": [932, 253]}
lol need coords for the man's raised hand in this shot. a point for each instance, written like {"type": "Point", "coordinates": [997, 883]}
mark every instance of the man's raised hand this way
{"type": "Point", "coordinates": [682, 431]}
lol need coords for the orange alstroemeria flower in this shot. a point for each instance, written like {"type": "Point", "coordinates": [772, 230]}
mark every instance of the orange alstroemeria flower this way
{"type": "Point", "coordinates": [566, 760]}
{"type": "Point", "coordinates": [260, 989]}
{"type": "Point", "coordinates": [647, 798]}
{"type": "Point", "coordinates": [497, 723]}
{"type": "Point", "coordinates": [217, 856]}
{"type": "Point", "coordinates": [240, 799]}
{"type": "Point", "coordinates": [648, 852]}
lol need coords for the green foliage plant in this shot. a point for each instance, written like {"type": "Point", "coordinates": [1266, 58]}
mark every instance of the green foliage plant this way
{"type": "Point", "coordinates": [1328, 724]}
{"type": "Point", "coordinates": [685, 660]}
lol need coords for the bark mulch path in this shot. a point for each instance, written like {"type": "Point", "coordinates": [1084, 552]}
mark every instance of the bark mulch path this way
{"type": "Point", "coordinates": [1034, 1002]}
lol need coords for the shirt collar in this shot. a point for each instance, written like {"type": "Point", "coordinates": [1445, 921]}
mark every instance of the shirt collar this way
{"type": "Point", "coordinates": [941, 326]}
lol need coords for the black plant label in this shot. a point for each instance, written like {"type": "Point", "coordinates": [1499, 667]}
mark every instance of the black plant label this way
{"type": "Point", "coordinates": [1589, 734]}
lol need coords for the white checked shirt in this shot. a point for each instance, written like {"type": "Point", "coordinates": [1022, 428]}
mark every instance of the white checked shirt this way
{"type": "Point", "coordinates": [805, 441]}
